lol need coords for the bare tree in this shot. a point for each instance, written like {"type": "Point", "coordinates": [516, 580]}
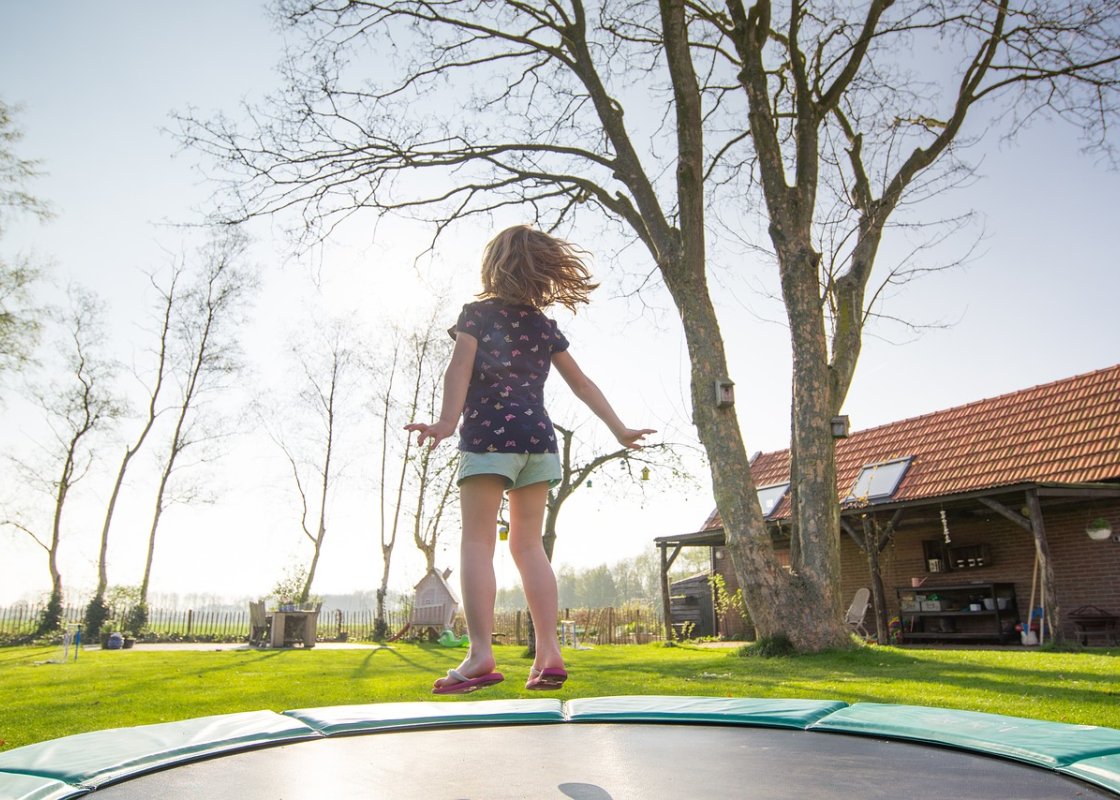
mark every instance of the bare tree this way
{"type": "Point", "coordinates": [578, 470]}
{"type": "Point", "coordinates": [328, 370]}
{"type": "Point", "coordinates": [409, 390]}
{"type": "Point", "coordinates": [75, 411]}
{"type": "Point", "coordinates": [387, 528]}
{"type": "Point", "coordinates": [20, 321]}
{"type": "Point", "coordinates": [439, 471]}
{"type": "Point", "coordinates": [872, 537]}
{"type": "Point", "coordinates": [97, 609]}
{"type": "Point", "coordinates": [436, 471]}
{"type": "Point", "coordinates": [816, 118]}
{"type": "Point", "coordinates": [206, 358]}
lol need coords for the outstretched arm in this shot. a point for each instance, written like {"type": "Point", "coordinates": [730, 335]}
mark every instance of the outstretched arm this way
{"type": "Point", "coordinates": [585, 389]}
{"type": "Point", "coordinates": [456, 379]}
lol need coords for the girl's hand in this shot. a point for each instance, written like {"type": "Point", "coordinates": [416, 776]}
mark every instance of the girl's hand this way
{"type": "Point", "coordinates": [436, 432]}
{"type": "Point", "coordinates": [630, 437]}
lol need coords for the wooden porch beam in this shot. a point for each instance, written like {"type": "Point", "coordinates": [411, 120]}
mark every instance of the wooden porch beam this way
{"type": "Point", "coordinates": [1083, 491]}
{"type": "Point", "coordinates": [848, 529]}
{"type": "Point", "coordinates": [885, 536]}
{"type": "Point", "coordinates": [1004, 511]}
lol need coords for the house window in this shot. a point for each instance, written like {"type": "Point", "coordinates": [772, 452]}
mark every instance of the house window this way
{"type": "Point", "coordinates": [770, 496]}
{"type": "Point", "coordinates": [878, 481]}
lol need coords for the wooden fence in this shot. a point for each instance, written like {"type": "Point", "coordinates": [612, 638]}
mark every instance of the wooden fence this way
{"type": "Point", "coordinates": [628, 625]}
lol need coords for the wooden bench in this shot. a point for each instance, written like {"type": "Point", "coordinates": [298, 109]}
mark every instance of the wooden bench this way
{"type": "Point", "coordinates": [1090, 622]}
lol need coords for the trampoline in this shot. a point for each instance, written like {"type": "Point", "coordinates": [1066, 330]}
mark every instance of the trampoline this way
{"type": "Point", "coordinates": [607, 748]}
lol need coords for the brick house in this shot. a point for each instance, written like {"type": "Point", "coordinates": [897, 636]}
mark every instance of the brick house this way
{"type": "Point", "coordinates": [985, 506]}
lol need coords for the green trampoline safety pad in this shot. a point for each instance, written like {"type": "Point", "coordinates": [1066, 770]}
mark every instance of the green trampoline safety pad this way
{"type": "Point", "coordinates": [1045, 744]}
{"type": "Point", "coordinates": [88, 760]}
{"type": "Point", "coordinates": [74, 766]}
{"type": "Point", "coordinates": [760, 712]}
{"type": "Point", "coordinates": [374, 717]}
{"type": "Point", "coordinates": [33, 787]}
{"type": "Point", "coordinates": [1104, 771]}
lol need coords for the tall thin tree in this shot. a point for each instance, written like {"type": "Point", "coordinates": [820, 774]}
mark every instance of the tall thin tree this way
{"type": "Point", "coordinates": [75, 411]}
{"type": "Point", "coordinates": [326, 376]}
{"type": "Point", "coordinates": [97, 610]}
{"type": "Point", "coordinates": [207, 356]}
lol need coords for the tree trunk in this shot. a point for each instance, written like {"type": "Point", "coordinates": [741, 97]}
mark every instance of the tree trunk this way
{"type": "Point", "coordinates": [321, 532]}
{"type": "Point", "coordinates": [52, 617]}
{"type": "Point", "coordinates": [156, 516]}
{"type": "Point", "coordinates": [103, 552]}
{"type": "Point", "coordinates": [878, 593]}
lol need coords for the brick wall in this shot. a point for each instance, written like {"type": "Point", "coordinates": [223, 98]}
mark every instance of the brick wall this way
{"type": "Point", "coordinates": [1086, 572]}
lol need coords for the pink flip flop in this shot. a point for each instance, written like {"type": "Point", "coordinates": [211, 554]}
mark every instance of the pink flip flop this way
{"type": "Point", "coordinates": [548, 679]}
{"type": "Point", "coordinates": [465, 685]}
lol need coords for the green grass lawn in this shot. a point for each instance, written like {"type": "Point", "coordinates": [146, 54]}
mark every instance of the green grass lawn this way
{"type": "Point", "coordinates": [109, 689]}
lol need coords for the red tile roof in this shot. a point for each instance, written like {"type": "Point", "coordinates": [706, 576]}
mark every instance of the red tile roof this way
{"type": "Point", "coordinates": [1062, 432]}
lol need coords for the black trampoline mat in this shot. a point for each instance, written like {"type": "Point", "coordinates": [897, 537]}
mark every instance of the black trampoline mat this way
{"type": "Point", "coordinates": [598, 761]}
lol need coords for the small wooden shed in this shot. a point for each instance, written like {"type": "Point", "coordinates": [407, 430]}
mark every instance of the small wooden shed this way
{"type": "Point", "coordinates": [434, 604]}
{"type": "Point", "coordinates": [691, 607]}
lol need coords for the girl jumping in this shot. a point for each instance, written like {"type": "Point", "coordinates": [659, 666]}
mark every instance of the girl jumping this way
{"type": "Point", "coordinates": [504, 347]}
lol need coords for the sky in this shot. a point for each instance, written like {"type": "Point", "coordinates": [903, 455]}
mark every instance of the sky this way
{"type": "Point", "coordinates": [97, 83]}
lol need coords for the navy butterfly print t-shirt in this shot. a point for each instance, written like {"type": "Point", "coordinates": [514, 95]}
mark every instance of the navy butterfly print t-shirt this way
{"type": "Point", "coordinates": [505, 412]}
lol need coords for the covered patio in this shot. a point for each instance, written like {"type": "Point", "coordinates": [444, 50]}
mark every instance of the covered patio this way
{"type": "Point", "coordinates": [1004, 491]}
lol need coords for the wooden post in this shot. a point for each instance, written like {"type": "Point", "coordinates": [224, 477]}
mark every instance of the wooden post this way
{"type": "Point", "coordinates": [1047, 595]}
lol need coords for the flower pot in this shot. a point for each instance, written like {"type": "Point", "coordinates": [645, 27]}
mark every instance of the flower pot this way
{"type": "Point", "coordinates": [1099, 534]}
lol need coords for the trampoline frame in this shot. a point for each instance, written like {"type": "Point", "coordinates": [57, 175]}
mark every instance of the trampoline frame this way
{"type": "Point", "coordinates": [75, 766]}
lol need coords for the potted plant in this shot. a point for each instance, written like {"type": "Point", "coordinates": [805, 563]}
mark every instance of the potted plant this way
{"type": "Point", "coordinates": [1099, 529]}
{"type": "Point", "coordinates": [289, 588]}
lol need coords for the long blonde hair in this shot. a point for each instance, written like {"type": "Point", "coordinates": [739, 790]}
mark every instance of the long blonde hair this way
{"type": "Point", "coordinates": [522, 265]}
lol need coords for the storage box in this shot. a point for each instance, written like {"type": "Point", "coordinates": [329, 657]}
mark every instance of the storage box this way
{"type": "Point", "coordinates": [910, 606]}
{"type": "Point", "coordinates": [931, 605]}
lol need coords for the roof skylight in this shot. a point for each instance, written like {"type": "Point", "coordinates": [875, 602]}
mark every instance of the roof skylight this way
{"type": "Point", "coordinates": [770, 496]}
{"type": "Point", "coordinates": [878, 481]}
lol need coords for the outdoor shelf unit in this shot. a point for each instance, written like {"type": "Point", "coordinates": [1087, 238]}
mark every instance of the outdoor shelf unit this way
{"type": "Point", "coordinates": [943, 612]}
{"type": "Point", "coordinates": [940, 557]}
{"type": "Point", "coordinates": [971, 556]}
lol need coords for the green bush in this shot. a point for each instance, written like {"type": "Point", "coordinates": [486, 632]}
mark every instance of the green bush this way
{"type": "Point", "coordinates": [51, 618]}
{"type": "Point", "coordinates": [776, 646]}
{"type": "Point", "coordinates": [96, 614]}
{"type": "Point", "coordinates": [136, 620]}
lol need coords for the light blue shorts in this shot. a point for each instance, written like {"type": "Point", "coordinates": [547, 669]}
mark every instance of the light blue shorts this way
{"type": "Point", "coordinates": [519, 469]}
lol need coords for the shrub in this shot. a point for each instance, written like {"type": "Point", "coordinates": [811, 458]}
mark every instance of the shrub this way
{"type": "Point", "coordinates": [51, 618]}
{"type": "Point", "coordinates": [777, 645]}
{"type": "Point", "coordinates": [96, 614]}
{"type": "Point", "coordinates": [137, 618]}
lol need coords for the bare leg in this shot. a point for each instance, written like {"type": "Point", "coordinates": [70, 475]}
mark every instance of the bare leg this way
{"type": "Point", "coordinates": [526, 520]}
{"type": "Point", "coordinates": [480, 498]}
